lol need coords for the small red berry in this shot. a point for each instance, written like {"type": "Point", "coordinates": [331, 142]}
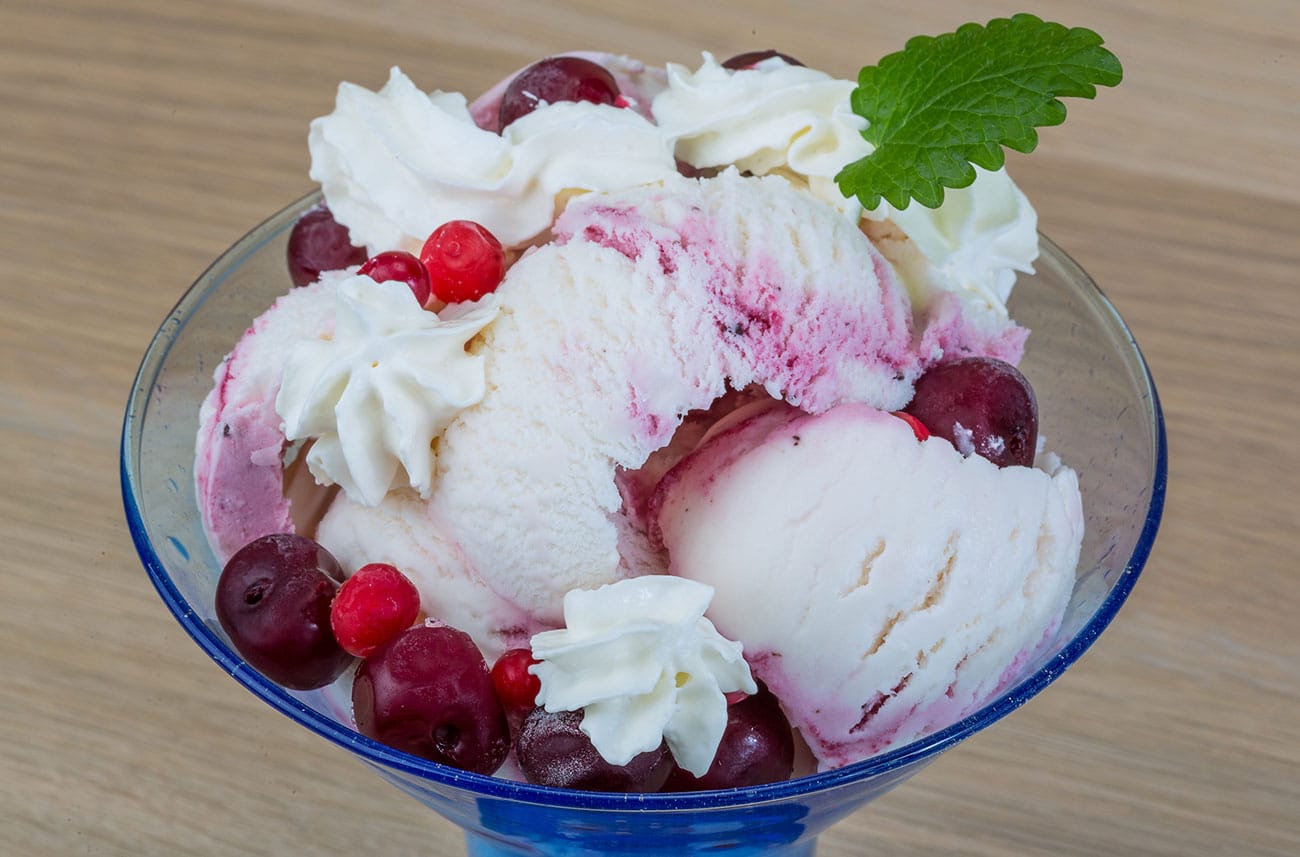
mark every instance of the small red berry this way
{"type": "Point", "coordinates": [400, 266]}
{"type": "Point", "coordinates": [918, 427]}
{"type": "Point", "coordinates": [516, 687]}
{"type": "Point", "coordinates": [372, 607]}
{"type": "Point", "coordinates": [465, 261]}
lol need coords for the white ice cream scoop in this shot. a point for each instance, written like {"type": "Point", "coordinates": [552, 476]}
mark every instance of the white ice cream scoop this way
{"type": "Point", "coordinates": [882, 587]}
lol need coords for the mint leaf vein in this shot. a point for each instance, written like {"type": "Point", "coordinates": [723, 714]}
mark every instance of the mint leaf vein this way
{"type": "Point", "coordinates": [946, 102]}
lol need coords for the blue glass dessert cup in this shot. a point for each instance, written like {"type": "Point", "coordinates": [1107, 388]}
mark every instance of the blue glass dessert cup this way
{"type": "Point", "coordinates": [1098, 408]}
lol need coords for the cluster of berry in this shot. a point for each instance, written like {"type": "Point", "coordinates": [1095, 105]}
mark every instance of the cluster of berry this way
{"type": "Point", "coordinates": [425, 688]}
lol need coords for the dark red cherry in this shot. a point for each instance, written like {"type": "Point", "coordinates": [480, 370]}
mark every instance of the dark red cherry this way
{"type": "Point", "coordinates": [553, 751]}
{"type": "Point", "coordinates": [319, 243]}
{"type": "Point", "coordinates": [753, 58]}
{"type": "Point", "coordinates": [981, 405]}
{"type": "Point", "coordinates": [428, 693]}
{"type": "Point", "coordinates": [757, 747]}
{"type": "Point", "coordinates": [556, 79]}
{"type": "Point", "coordinates": [273, 599]}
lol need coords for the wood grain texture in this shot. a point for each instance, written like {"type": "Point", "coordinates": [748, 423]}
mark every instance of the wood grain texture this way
{"type": "Point", "coordinates": [140, 138]}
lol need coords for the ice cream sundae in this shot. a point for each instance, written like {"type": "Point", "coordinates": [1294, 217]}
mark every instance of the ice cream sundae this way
{"type": "Point", "coordinates": [627, 437]}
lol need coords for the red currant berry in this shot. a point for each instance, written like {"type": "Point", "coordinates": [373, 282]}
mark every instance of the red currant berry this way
{"type": "Point", "coordinates": [556, 79]}
{"type": "Point", "coordinates": [372, 607]}
{"type": "Point", "coordinates": [464, 260]}
{"type": "Point", "coordinates": [918, 427]}
{"type": "Point", "coordinates": [402, 267]}
{"type": "Point", "coordinates": [516, 687]}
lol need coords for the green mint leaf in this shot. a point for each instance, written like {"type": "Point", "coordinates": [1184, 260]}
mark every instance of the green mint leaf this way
{"type": "Point", "coordinates": [946, 102]}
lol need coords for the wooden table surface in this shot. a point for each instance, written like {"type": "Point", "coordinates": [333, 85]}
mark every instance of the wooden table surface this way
{"type": "Point", "coordinates": [139, 138]}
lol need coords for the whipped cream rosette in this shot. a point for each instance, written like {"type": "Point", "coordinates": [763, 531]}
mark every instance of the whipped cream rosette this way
{"type": "Point", "coordinates": [642, 663]}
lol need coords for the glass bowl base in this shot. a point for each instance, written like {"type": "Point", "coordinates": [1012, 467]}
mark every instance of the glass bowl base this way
{"type": "Point", "coordinates": [486, 846]}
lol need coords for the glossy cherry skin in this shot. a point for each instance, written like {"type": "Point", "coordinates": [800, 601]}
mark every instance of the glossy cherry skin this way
{"type": "Point", "coordinates": [553, 751]}
{"type": "Point", "coordinates": [319, 243]}
{"type": "Point", "coordinates": [273, 599]}
{"type": "Point", "coordinates": [556, 79]}
{"type": "Point", "coordinates": [402, 267]}
{"type": "Point", "coordinates": [757, 747]}
{"type": "Point", "coordinates": [753, 58]}
{"type": "Point", "coordinates": [982, 406]}
{"type": "Point", "coordinates": [428, 693]}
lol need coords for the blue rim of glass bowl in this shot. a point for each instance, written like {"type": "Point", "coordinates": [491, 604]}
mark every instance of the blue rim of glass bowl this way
{"type": "Point", "coordinates": [491, 787]}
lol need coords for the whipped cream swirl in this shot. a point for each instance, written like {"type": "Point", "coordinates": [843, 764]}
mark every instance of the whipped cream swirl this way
{"type": "Point", "coordinates": [378, 391]}
{"type": "Point", "coordinates": [396, 164]}
{"type": "Point", "coordinates": [771, 118]}
{"type": "Point", "coordinates": [971, 245]}
{"type": "Point", "coordinates": [799, 122]}
{"type": "Point", "coordinates": [641, 662]}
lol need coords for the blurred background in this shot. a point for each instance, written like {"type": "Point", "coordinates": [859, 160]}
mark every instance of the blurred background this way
{"type": "Point", "coordinates": [140, 138]}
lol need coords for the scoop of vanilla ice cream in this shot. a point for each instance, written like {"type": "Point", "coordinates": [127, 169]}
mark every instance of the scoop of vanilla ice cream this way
{"type": "Point", "coordinates": [881, 586]}
{"type": "Point", "coordinates": [400, 532]}
{"type": "Point", "coordinates": [650, 304]}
